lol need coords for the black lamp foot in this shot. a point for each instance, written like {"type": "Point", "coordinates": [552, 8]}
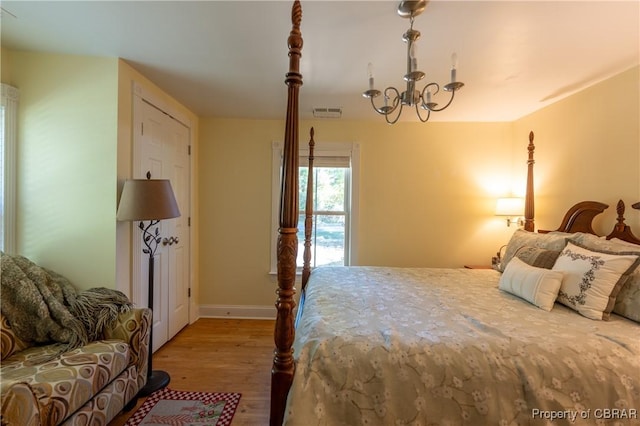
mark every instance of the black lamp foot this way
{"type": "Point", "coordinates": [157, 380]}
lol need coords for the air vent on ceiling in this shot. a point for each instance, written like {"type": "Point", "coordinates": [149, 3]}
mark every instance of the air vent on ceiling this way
{"type": "Point", "coordinates": [327, 112]}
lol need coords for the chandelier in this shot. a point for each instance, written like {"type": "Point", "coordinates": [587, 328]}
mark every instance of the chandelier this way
{"type": "Point", "coordinates": [422, 100]}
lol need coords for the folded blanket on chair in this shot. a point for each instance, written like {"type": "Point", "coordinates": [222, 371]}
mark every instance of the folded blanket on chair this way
{"type": "Point", "coordinates": [43, 307]}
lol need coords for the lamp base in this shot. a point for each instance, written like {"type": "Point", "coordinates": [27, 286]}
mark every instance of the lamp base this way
{"type": "Point", "coordinates": [158, 379]}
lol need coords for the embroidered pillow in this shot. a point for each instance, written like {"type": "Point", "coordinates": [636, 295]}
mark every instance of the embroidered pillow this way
{"type": "Point", "coordinates": [522, 238]}
{"type": "Point", "coordinates": [628, 299]}
{"type": "Point", "coordinates": [592, 279]}
{"type": "Point", "coordinates": [538, 286]}
{"type": "Point", "coordinates": [538, 257]}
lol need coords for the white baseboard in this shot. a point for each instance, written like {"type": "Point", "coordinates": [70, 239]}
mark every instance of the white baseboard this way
{"type": "Point", "coordinates": [238, 311]}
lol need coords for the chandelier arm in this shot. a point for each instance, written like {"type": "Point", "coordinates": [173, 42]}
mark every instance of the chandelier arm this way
{"type": "Point", "coordinates": [424, 120]}
{"type": "Point", "coordinates": [396, 99]}
{"type": "Point", "coordinates": [447, 105]}
{"type": "Point", "coordinates": [386, 110]}
{"type": "Point", "coordinates": [426, 88]}
{"type": "Point", "coordinates": [386, 116]}
{"type": "Point", "coordinates": [376, 109]}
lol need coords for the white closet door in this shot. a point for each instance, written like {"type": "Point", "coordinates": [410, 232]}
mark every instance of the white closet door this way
{"type": "Point", "coordinates": [161, 146]}
{"type": "Point", "coordinates": [178, 160]}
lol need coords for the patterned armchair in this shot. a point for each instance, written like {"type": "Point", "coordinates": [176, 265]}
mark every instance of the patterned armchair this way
{"type": "Point", "coordinates": [87, 385]}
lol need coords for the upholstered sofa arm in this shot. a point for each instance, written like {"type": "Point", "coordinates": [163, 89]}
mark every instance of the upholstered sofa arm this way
{"type": "Point", "coordinates": [134, 328]}
{"type": "Point", "coordinates": [9, 342]}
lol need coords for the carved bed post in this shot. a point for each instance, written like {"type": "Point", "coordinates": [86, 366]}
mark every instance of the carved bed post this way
{"type": "Point", "coordinates": [308, 219]}
{"type": "Point", "coordinates": [528, 200]}
{"type": "Point", "coordinates": [622, 230]}
{"type": "Point", "coordinates": [283, 365]}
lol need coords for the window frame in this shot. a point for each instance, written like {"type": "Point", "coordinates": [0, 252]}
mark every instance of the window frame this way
{"type": "Point", "coordinates": [9, 101]}
{"type": "Point", "coordinates": [321, 149]}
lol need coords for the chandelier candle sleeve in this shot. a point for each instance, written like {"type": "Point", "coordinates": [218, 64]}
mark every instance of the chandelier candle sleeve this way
{"type": "Point", "coordinates": [454, 65]}
{"type": "Point", "coordinates": [370, 75]}
{"type": "Point", "coordinates": [414, 57]}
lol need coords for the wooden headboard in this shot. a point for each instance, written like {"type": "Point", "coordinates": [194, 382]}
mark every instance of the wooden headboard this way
{"type": "Point", "coordinates": [621, 230]}
{"type": "Point", "coordinates": [579, 218]}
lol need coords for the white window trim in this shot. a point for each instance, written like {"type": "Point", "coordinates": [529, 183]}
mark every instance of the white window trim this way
{"type": "Point", "coordinates": [337, 149]}
{"type": "Point", "coordinates": [10, 96]}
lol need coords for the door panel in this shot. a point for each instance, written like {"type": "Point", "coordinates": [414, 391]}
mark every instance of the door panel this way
{"type": "Point", "coordinates": [178, 309]}
{"type": "Point", "coordinates": [161, 148]}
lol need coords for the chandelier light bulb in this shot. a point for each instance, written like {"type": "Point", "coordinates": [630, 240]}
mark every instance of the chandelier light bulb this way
{"type": "Point", "coordinates": [454, 65]}
{"type": "Point", "coordinates": [370, 75]}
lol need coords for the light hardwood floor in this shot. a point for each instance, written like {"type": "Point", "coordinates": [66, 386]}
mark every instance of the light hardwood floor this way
{"type": "Point", "coordinates": [221, 355]}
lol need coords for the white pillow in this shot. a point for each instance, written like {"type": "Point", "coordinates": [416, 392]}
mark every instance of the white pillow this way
{"type": "Point", "coordinates": [535, 285]}
{"type": "Point", "coordinates": [592, 279]}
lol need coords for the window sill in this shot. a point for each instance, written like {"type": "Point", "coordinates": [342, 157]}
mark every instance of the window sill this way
{"type": "Point", "coordinates": [298, 272]}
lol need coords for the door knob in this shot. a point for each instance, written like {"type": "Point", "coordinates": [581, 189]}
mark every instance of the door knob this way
{"type": "Point", "coordinates": [169, 241]}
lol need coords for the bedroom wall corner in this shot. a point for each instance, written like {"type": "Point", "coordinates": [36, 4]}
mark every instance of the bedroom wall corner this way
{"type": "Point", "coordinates": [5, 66]}
{"type": "Point", "coordinates": [588, 148]}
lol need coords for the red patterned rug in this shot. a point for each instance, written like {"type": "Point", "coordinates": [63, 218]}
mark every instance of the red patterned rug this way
{"type": "Point", "coordinates": [178, 408]}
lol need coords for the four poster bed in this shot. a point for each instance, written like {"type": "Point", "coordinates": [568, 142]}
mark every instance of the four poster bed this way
{"type": "Point", "coordinates": [551, 336]}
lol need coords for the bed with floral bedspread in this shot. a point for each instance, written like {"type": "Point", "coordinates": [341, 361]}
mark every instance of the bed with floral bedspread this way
{"type": "Point", "coordinates": [400, 346]}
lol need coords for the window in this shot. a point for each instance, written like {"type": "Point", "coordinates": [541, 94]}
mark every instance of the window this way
{"type": "Point", "coordinates": [335, 173]}
{"type": "Point", "coordinates": [8, 135]}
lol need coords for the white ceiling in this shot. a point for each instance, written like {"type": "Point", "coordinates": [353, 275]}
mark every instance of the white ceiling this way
{"type": "Point", "coordinates": [229, 58]}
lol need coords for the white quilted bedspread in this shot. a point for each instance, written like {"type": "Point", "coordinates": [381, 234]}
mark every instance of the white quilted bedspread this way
{"type": "Point", "coordinates": [404, 346]}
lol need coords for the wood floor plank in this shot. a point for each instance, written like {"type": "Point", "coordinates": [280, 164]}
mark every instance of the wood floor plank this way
{"type": "Point", "coordinates": [221, 355]}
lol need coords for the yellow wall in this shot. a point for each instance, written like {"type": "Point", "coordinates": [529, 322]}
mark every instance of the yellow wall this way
{"type": "Point", "coordinates": [74, 153]}
{"type": "Point", "coordinates": [427, 197]}
{"type": "Point", "coordinates": [427, 192]}
{"type": "Point", "coordinates": [66, 163]}
{"type": "Point", "coordinates": [5, 65]}
{"type": "Point", "coordinates": [588, 148]}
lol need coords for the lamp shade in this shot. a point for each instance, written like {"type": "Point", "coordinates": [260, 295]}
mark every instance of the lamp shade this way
{"type": "Point", "coordinates": [147, 199]}
{"type": "Point", "coordinates": [511, 206]}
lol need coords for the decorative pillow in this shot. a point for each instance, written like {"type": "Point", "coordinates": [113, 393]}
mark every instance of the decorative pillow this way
{"type": "Point", "coordinates": [538, 257]}
{"type": "Point", "coordinates": [593, 242]}
{"type": "Point", "coordinates": [535, 285]}
{"type": "Point", "coordinates": [521, 238]}
{"type": "Point", "coordinates": [592, 279]}
{"type": "Point", "coordinates": [628, 299]}
{"type": "Point", "coordinates": [624, 244]}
